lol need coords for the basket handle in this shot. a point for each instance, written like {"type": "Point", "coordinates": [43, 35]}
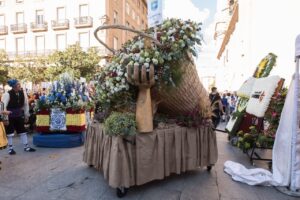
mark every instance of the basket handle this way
{"type": "Point", "coordinates": [122, 27]}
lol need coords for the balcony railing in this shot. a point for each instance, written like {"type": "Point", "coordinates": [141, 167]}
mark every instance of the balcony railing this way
{"type": "Point", "coordinates": [38, 27]}
{"type": "Point", "coordinates": [3, 30]}
{"type": "Point", "coordinates": [82, 22]}
{"type": "Point", "coordinates": [29, 54]}
{"type": "Point", "coordinates": [18, 28]}
{"type": "Point", "coordinates": [60, 24]}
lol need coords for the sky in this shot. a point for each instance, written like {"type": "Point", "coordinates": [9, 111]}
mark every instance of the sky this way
{"type": "Point", "coordinates": [201, 11]}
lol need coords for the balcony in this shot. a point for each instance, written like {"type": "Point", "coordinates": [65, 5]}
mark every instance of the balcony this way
{"type": "Point", "coordinates": [60, 24]}
{"type": "Point", "coordinates": [83, 22]}
{"type": "Point", "coordinates": [29, 54]}
{"type": "Point", "coordinates": [3, 30]}
{"type": "Point", "coordinates": [18, 28]}
{"type": "Point", "coordinates": [39, 27]}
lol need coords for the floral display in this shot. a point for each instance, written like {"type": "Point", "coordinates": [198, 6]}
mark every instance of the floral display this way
{"type": "Point", "coordinates": [113, 90]}
{"type": "Point", "coordinates": [177, 37]}
{"type": "Point", "coordinates": [265, 66]}
{"type": "Point", "coordinates": [66, 93]}
{"type": "Point", "coordinates": [273, 114]}
{"type": "Point", "coordinates": [266, 138]}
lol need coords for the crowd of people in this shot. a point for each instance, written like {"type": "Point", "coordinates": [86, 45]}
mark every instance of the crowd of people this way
{"type": "Point", "coordinates": [222, 105]}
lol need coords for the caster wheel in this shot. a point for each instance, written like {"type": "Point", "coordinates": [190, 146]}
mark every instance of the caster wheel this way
{"type": "Point", "coordinates": [209, 168]}
{"type": "Point", "coordinates": [121, 192]}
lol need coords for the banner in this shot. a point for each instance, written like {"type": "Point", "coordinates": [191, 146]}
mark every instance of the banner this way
{"type": "Point", "coordinates": [154, 12]}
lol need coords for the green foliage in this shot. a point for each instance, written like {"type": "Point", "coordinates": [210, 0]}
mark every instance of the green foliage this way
{"type": "Point", "coordinates": [3, 67]}
{"type": "Point", "coordinates": [120, 124]}
{"type": "Point", "coordinates": [74, 61]}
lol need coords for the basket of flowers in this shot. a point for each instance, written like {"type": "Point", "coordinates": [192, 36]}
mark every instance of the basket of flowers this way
{"type": "Point", "coordinates": [159, 59]}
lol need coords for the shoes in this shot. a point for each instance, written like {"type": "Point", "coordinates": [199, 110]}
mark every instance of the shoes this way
{"type": "Point", "coordinates": [11, 152]}
{"type": "Point", "coordinates": [29, 149]}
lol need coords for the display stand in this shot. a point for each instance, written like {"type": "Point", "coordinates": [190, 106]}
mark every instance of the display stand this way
{"type": "Point", "coordinates": [139, 159]}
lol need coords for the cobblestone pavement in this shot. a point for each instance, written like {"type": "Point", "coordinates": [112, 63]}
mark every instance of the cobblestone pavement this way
{"type": "Point", "coordinates": [60, 174]}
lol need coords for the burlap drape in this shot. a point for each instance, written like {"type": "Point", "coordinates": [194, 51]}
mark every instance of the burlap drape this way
{"type": "Point", "coordinates": [153, 156]}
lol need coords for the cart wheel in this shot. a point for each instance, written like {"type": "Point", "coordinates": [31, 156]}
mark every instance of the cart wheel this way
{"type": "Point", "coordinates": [121, 192]}
{"type": "Point", "coordinates": [208, 168]}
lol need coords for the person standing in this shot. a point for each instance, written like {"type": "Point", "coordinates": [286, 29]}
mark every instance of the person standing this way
{"type": "Point", "coordinates": [16, 102]}
{"type": "Point", "coordinates": [216, 106]}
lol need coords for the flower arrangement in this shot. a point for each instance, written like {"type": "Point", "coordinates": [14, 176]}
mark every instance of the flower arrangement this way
{"type": "Point", "coordinates": [177, 37]}
{"type": "Point", "coordinates": [273, 114]}
{"type": "Point", "coordinates": [265, 66]}
{"type": "Point", "coordinates": [66, 93]}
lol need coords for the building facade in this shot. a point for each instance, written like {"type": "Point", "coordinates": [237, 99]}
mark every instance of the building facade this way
{"type": "Point", "coordinates": [254, 29]}
{"type": "Point", "coordinates": [39, 27]}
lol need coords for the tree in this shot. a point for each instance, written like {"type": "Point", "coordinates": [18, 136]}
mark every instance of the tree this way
{"type": "Point", "coordinates": [3, 67]}
{"type": "Point", "coordinates": [73, 60]}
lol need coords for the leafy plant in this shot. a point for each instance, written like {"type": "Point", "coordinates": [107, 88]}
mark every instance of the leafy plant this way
{"type": "Point", "coordinates": [120, 124]}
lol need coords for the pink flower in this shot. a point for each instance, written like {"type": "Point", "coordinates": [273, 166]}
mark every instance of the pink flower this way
{"type": "Point", "coordinates": [274, 114]}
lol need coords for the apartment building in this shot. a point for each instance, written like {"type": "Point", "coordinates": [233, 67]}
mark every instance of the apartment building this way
{"type": "Point", "coordinates": [39, 27]}
{"type": "Point", "coordinates": [250, 34]}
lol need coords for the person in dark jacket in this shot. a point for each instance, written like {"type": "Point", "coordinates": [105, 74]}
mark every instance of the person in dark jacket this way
{"type": "Point", "coordinates": [16, 102]}
{"type": "Point", "coordinates": [216, 106]}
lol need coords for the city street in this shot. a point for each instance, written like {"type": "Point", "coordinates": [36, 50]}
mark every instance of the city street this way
{"type": "Point", "coordinates": [60, 174]}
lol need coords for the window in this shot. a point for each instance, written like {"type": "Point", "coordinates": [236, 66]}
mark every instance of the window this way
{"type": "Point", "coordinates": [60, 14]}
{"type": "Point", "coordinates": [84, 40]}
{"type": "Point", "coordinates": [39, 16]}
{"type": "Point", "coordinates": [83, 10]}
{"type": "Point", "coordinates": [139, 4]}
{"type": "Point", "coordinates": [127, 8]}
{"type": "Point", "coordinates": [40, 44]}
{"type": "Point", "coordinates": [19, 17]}
{"type": "Point", "coordinates": [2, 2]}
{"type": "Point", "coordinates": [127, 24]}
{"type": "Point", "coordinates": [138, 20]}
{"type": "Point", "coordinates": [115, 43]}
{"type": "Point", "coordinates": [2, 44]}
{"type": "Point", "coordinates": [2, 20]}
{"type": "Point", "coordinates": [115, 17]}
{"type": "Point", "coordinates": [20, 45]}
{"type": "Point", "coordinates": [61, 42]}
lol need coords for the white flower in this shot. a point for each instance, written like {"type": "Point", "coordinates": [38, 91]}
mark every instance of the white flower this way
{"type": "Point", "coordinates": [148, 60]}
{"type": "Point", "coordinates": [155, 61]}
{"type": "Point", "coordinates": [142, 60]}
{"type": "Point", "coordinates": [118, 78]}
{"type": "Point", "coordinates": [147, 65]}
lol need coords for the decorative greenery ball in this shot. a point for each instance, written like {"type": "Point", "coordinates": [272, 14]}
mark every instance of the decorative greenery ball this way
{"type": "Point", "coordinates": [122, 124]}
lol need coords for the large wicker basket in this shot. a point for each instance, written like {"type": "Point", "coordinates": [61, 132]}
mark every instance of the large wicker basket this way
{"type": "Point", "coordinates": [188, 95]}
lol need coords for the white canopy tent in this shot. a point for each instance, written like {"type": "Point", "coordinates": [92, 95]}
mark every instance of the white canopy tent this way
{"type": "Point", "coordinates": [286, 151]}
